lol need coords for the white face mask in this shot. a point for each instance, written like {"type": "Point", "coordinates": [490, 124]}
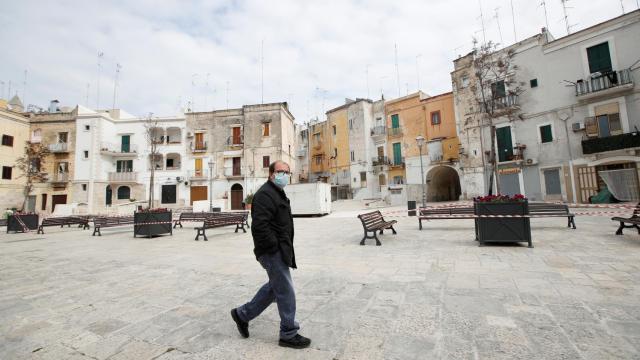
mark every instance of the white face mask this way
{"type": "Point", "coordinates": [281, 179]}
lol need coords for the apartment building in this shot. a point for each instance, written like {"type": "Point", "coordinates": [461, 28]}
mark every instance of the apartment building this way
{"type": "Point", "coordinates": [15, 134]}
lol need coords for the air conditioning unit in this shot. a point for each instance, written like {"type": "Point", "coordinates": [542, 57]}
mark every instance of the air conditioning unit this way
{"type": "Point", "coordinates": [577, 126]}
{"type": "Point", "coordinates": [178, 178]}
{"type": "Point", "coordinates": [531, 161]}
{"type": "Point", "coordinates": [189, 134]}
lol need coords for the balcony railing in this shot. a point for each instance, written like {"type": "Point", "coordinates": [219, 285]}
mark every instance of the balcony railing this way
{"type": "Point", "coordinates": [397, 162]}
{"type": "Point", "coordinates": [130, 176]}
{"type": "Point", "coordinates": [59, 148]}
{"type": "Point", "coordinates": [395, 131]}
{"type": "Point", "coordinates": [380, 160]}
{"type": "Point", "coordinates": [117, 150]}
{"type": "Point", "coordinates": [234, 141]}
{"type": "Point", "coordinates": [59, 178]}
{"type": "Point", "coordinates": [378, 131]}
{"type": "Point", "coordinates": [199, 146]}
{"type": "Point", "coordinates": [505, 102]}
{"type": "Point", "coordinates": [202, 174]}
{"type": "Point", "coordinates": [603, 81]}
{"type": "Point", "coordinates": [233, 173]}
{"type": "Point", "coordinates": [610, 143]}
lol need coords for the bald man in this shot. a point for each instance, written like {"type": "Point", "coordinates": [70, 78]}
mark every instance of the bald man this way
{"type": "Point", "coordinates": [272, 231]}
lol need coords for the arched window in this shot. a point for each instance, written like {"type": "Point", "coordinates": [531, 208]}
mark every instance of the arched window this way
{"type": "Point", "coordinates": [124, 192]}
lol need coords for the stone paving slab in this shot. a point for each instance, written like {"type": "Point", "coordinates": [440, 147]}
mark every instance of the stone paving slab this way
{"type": "Point", "coordinates": [430, 294]}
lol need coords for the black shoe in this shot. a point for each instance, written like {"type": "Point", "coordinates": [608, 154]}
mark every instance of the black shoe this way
{"type": "Point", "coordinates": [243, 326]}
{"type": "Point", "coordinates": [296, 342]}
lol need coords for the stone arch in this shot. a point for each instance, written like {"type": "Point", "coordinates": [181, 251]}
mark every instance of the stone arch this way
{"type": "Point", "coordinates": [237, 196]}
{"type": "Point", "coordinates": [443, 184]}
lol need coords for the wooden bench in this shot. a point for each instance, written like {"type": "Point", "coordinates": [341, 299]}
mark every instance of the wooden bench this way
{"type": "Point", "coordinates": [220, 219]}
{"type": "Point", "coordinates": [104, 222]}
{"type": "Point", "coordinates": [191, 216]}
{"type": "Point", "coordinates": [633, 221]}
{"type": "Point", "coordinates": [81, 221]}
{"type": "Point", "coordinates": [373, 222]}
{"type": "Point", "coordinates": [552, 210]}
{"type": "Point", "coordinates": [445, 213]}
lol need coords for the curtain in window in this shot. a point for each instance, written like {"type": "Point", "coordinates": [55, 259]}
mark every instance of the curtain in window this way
{"type": "Point", "coordinates": [622, 183]}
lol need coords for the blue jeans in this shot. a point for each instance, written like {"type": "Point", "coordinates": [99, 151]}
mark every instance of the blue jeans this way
{"type": "Point", "coordinates": [278, 289]}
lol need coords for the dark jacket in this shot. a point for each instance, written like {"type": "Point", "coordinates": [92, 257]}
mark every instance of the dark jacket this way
{"type": "Point", "coordinates": [272, 223]}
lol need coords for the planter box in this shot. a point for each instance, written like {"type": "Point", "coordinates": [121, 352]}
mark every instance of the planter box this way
{"type": "Point", "coordinates": [152, 223]}
{"type": "Point", "coordinates": [502, 229]}
{"type": "Point", "coordinates": [31, 220]}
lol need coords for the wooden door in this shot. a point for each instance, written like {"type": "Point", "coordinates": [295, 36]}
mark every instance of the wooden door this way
{"type": "Point", "coordinates": [199, 141]}
{"type": "Point", "coordinates": [198, 193]}
{"type": "Point", "coordinates": [57, 199]}
{"type": "Point", "coordinates": [236, 136]}
{"type": "Point", "coordinates": [588, 180]}
{"type": "Point", "coordinates": [236, 166]}
{"type": "Point", "coordinates": [198, 163]}
{"type": "Point", "coordinates": [236, 197]}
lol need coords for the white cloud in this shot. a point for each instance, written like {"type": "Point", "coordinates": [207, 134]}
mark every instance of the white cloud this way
{"type": "Point", "coordinates": [314, 52]}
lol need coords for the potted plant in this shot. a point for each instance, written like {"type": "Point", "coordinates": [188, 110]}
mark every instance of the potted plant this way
{"type": "Point", "coordinates": [247, 201]}
{"type": "Point", "coordinates": [152, 222]}
{"type": "Point", "coordinates": [495, 223]}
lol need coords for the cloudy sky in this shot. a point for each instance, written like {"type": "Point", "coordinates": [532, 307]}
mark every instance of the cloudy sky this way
{"type": "Point", "coordinates": [315, 54]}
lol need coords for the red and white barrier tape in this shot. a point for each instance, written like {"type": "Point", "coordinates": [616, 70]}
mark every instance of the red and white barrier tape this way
{"type": "Point", "coordinates": [472, 216]}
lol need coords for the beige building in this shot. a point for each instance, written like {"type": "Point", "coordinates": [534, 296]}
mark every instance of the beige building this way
{"type": "Point", "coordinates": [15, 133]}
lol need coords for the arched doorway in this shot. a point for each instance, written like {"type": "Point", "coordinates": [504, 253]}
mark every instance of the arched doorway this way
{"type": "Point", "coordinates": [443, 184]}
{"type": "Point", "coordinates": [236, 197]}
{"type": "Point", "coordinates": [107, 195]}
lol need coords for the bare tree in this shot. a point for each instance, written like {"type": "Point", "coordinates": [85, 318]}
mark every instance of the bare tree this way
{"type": "Point", "coordinates": [30, 166]}
{"type": "Point", "coordinates": [496, 92]}
{"type": "Point", "coordinates": [150, 127]}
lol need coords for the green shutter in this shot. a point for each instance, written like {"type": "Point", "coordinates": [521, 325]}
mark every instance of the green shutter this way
{"type": "Point", "coordinates": [545, 134]}
{"type": "Point", "coordinates": [124, 145]}
{"type": "Point", "coordinates": [505, 146]}
{"type": "Point", "coordinates": [397, 154]}
{"type": "Point", "coordinates": [599, 58]}
{"type": "Point", "coordinates": [395, 121]}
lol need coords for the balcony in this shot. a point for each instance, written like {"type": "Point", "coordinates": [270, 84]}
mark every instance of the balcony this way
{"type": "Point", "coordinates": [394, 132]}
{"type": "Point", "coordinates": [397, 163]}
{"type": "Point", "coordinates": [59, 178]}
{"type": "Point", "coordinates": [235, 141]}
{"type": "Point", "coordinates": [611, 143]}
{"type": "Point", "coordinates": [378, 131]}
{"type": "Point", "coordinates": [111, 149]}
{"type": "Point", "coordinates": [231, 173]}
{"type": "Point", "coordinates": [123, 177]}
{"type": "Point", "coordinates": [194, 175]}
{"type": "Point", "coordinates": [604, 84]}
{"type": "Point", "coordinates": [59, 148]}
{"type": "Point", "coordinates": [380, 160]}
{"type": "Point", "coordinates": [505, 104]}
{"type": "Point", "coordinates": [198, 147]}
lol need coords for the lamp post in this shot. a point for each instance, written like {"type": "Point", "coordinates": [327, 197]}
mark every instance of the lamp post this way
{"type": "Point", "coordinates": [211, 165]}
{"type": "Point", "coordinates": [420, 142]}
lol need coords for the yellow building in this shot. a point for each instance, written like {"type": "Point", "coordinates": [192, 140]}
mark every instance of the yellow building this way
{"type": "Point", "coordinates": [338, 149]}
{"type": "Point", "coordinates": [319, 159]}
{"type": "Point", "coordinates": [15, 133]}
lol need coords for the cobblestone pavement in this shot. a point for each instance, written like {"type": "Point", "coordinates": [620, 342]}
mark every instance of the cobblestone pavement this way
{"type": "Point", "coordinates": [430, 294]}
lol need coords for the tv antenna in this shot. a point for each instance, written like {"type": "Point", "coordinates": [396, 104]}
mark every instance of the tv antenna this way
{"type": "Point", "coordinates": [513, 18]}
{"type": "Point", "coordinates": [100, 56]}
{"type": "Point", "coordinates": [367, 74]}
{"type": "Point", "coordinates": [497, 17]}
{"type": "Point", "coordinates": [397, 71]}
{"type": "Point", "coordinates": [86, 99]}
{"type": "Point", "coordinates": [24, 88]}
{"type": "Point", "coordinates": [262, 72]}
{"type": "Point", "coordinates": [227, 94]}
{"type": "Point", "coordinates": [622, 6]}
{"type": "Point", "coordinates": [566, 16]}
{"type": "Point", "coordinates": [484, 33]}
{"type": "Point", "coordinates": [193, 86]}
{"type": "Point", "coordinates": [206, 92]}
{"type": "Point", "coordinates": [115, 85]}
{"type": "Point", "coordinates": [546, 17]}
{"type": "Point", "coordinates": [418, 70]}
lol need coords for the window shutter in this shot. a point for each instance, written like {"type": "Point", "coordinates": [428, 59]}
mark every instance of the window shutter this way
{"type": "Point", "coordinates": [599, 58]}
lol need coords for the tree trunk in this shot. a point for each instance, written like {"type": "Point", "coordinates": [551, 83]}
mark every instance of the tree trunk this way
{"type": "Point", "coordinates": [494, 167]}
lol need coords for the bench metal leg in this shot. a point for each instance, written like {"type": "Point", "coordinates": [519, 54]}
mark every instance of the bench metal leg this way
{"type": "Point", "coordinates": [40, 230]}
{"type": "Point", "coordinates": [419, 224]}
{"type": "Point", "coordinates": [571, 222]}
{"type": "Point", "coordinates": [378, 243]}
{"type": "Point", "coordinates": [237, 227]}
{"type": "Point", "coordinates": [394, 230]}
{"type": "Point", "coordinates": [96, 229]}
{"type": "Point", "coordinates": [619, 231]}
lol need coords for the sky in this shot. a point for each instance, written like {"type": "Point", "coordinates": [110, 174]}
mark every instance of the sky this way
{"type": "Point", "coordinates": [211, 55]}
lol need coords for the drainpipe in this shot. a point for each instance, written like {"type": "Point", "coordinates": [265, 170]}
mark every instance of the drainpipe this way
{"type": "Point", "coordinates": [571, 173]}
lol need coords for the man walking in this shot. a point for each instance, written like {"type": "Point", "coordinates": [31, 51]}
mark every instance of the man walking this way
{"type": "Point", "coordinates": [272, 231]}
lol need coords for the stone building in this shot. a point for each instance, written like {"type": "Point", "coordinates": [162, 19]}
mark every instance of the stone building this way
{"type": "Point", "coordinates": [230, 150]}
{"type": "Point", "coordinates": [15, 133]}
{"type": "Point", "coordinates": [574, 124]}
{"type": "Point", "coordinates": [303, 164]}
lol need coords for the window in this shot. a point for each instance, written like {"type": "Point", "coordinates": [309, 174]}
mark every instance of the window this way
{"type": "Point", "coordinates": [353, 156]}
{"type": "Point", "coordinates": [35, 165]}
{"type": "Point", "coordinates": [318, 160]}
{"type": "Point", "coordinates": [63, 137]}
{"type": "Point", "coordinates": [265, 129]}
{"type": "Point", "coordinates": [168, 194]}
{"type": "Point", "coordinates": [7, 140]}
{"type": "Point", "coordinates": [335, 130]}
{"type": "Point", "coordinates": [546, 135]}
{"type": "Point", "coordinates": [397, 180]}
{"type": "Point", "coordinates": [36, 135]}
{"type": "Point", "coordinates": [395, 121]}
{"type": "Point", "coordinates": [125, 166]}
{"type": "Point", "coordinates": [363, 179]}
{"type": "Point", "coordinates": [533, 83]}
{"type": "Point", "coordinates": [599, 58]}
{"type": "Point", "coordinates": [87, 127]}
{"type": "Point", "coordinates": [169, 163]}
{"type": "Point", "coordinates": [498, 89]}
{"type": "Point", "coordinates": [552, 182]}
{"type": "Point", "coordinates": [265, 161]}
{"type": "Point", "coordinates": [125, 143]}
{"type": "Point", "coordinates": [63, 167]}
{"type": "Point", "coordinates": [84, 187]}
{"type": "Point", "coordinates": [350, 124]}
{"type": "Point", "coordinates": [435, 118]}
{"type": "Point", "coordinates": [465, 81]}
{"type": "Point", "coordinates": [397, 153]}
{"type": "Point", "coordinates": [505, 145]}
{"type": "Point", "coordinates": [86, 154]}
{"type": "Point", "coordinates": [6, 172]}
{"type": "Point", "coordinates": [335, 153]}
{"type": "Point", "coordinates": [44, 202]}
{"type": "Point", "coordinates": [124, 192]}
{"type": "Point", "coordinates": [382, 180]}
{"type": "Point", "coordinates": [606, 121]}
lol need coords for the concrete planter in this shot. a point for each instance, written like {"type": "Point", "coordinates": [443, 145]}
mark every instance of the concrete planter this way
{"type": "Point", "coordinates": [30, 220]}
{"type": "Point", "coordinates": [503, 230]}
{"type": "Point", "coordinates": [152, 223]}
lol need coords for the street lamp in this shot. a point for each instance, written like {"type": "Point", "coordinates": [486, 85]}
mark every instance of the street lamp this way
{"type": "Point", "coordinates": [420, 141]}
{"type": "Point", "coordinates": [211, 165]}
